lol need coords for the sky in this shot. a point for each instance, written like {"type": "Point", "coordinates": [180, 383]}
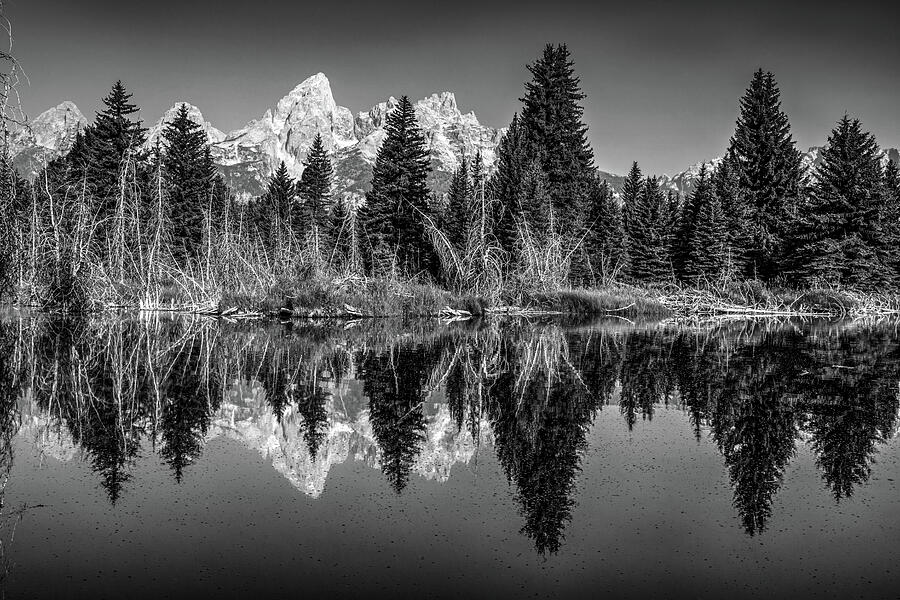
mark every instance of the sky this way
{"type": "Point", "coordinates": [662, 79]}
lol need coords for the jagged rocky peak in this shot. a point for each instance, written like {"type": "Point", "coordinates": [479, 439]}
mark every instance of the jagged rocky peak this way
{"type": "Point", "coordinates": [450, 133]}
{"type": "Point", "coordinates": [375, 118]}
{"type": "Point", "coordinates": [309, 109]}
{"type": "Point", "coordinates": [212, 134]}
{"type": "Point", "coordinates": [54, 129]}
{"type": "Point", "coordinates": [285, 132]}
{"type": "Point", "coordinates": [47, 137]}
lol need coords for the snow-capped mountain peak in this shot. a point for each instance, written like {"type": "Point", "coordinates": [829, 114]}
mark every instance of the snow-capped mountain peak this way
{"type": "Point", "coordinates": [47, 136]}
{"type": "Point", "coordinates": [249, 155]}
{"type": "Point", "coordinates": [213, 135]}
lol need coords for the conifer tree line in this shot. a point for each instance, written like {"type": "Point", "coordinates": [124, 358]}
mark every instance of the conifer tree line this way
{"type": "Point", "coordinates": [541, 217]}
{"type": "Point", "coordinates": [756, 214]}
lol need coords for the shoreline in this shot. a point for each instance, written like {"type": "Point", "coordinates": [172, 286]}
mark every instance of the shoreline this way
{"type": "Point", "coordinates": [381, 298]}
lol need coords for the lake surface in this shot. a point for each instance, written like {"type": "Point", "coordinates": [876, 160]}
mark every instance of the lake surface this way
{"type": "Point", "coordinates": [156, 457]}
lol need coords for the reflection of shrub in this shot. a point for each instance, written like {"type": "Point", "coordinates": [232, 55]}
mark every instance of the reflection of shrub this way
{"type": "Point", "coordinates": [63, 285]}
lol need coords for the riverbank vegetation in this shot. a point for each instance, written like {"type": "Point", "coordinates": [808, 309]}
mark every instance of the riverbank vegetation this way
{"type": "Point", "coordinates": [115, 223]}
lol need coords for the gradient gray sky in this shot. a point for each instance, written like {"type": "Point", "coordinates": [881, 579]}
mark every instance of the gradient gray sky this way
{"type": "Point", "coordinates": [662, 78]}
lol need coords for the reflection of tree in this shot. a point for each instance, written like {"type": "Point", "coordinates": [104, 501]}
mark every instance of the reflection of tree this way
{"type": "Point", "coordinates": [192, 392]}
{"type": "Point", "coordinates": [598, 358]}
{"type": "Point", "coordinates": [112, 382]}
{"type": "Point", "coordinates": [394, 382]}
{"type": "Point", "coordinates": [295, 374]}
{"type": "Point", "coordinates": [699, 370]}
{"type": "Point", "coordinates": [11, 375]}
{"type": "Point", "coordinates": [853, 404]}
{"type": "Point", "coordinates": [753, 424]}
{"type": "Point", "coordinates": [466, 381]}
{"type": "Point", "coordinates": [95, 387]}
{"type": "Point", "coordinates": [312, 396]}
{"type": "Point", "coordinates": [9, 394]}
{"type": "Point", "coordinates": [643, 376]}
{"type": "Point", "coordinates": [540, 411]}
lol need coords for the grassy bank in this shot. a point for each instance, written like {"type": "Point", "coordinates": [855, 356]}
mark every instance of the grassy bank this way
{"type": "Point", "coordinates": [354, 296]}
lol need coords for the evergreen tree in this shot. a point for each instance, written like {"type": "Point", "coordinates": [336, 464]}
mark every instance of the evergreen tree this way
{"type": "Point", "coordinates": [113, 138]}
{"type": "Point", "coordinates": [726, 181]}
{"type": "Point", "coordinates": [631, 193]}
{"type": "Point", "coordinates": [15, 195]}
{"type": "Point", "coordinates": [689, 253]}
{"type": "Point", "coordinates": [770, 173]}
{"type": "Point", "coordinates": [605, 235]}
{"type": "Point", "coordinates": [397, 205]}
{"type": "Point", "coordinates": [79, 157]}
{"type": "Point", "coordinates": [311, 406]}
{"type": "Point", "coordinates": [555, 132]}
{"type": "Point", "coordinates": [889, 220]}
{"type": "Point", "coordinates": [839, 233]}
{"type": "Point", "coordinates": [458, 215]}
{"type": "Point", "coordinates": [537, 204]}
{"type": "Point", "coordinates": [189, 176]}
{"type": "Point", "coordinates": [280, 198]}
{"type": "Point", "coordinates": [892, 181]}
{"type": "Point", "coordinates": [315, 190]}
{"type": "Point", "coordinates": [342, 234]}
{"type": "Point", "coordinates": [708, 254]}
{"type": "Point", "coordinates": [649, 238]}
{"type": "Point", "coordinates": [506, 186]}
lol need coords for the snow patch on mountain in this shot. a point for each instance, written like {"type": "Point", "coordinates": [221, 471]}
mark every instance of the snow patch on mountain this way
{"type": "Point", "coordinates": [154, 134]}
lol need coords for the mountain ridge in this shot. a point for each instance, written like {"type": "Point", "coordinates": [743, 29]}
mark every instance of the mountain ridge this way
{"type": "Point", "coordinates": [247, 156]}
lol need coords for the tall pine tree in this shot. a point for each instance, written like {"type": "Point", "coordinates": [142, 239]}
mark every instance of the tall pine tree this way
{"type": "Point", "coordinates": [398, 203]}
{"type": "Point", "coordinates": [889, 220]}
{"type": "Point", "coordinates": [839, 236]}
{"type": "Point", "coordinates": [770, 174]}
{"type": "Point", "coordinates": [315, 190]}
{"type": "Point", "coordinates": [458, 214]}
{"type": "Point", "coordinates": [277, 213]}
{"type": "Point", "coordinates": [605, 235]}
{"type": "Point", "coordinates": [684, 256]}
{"type": "Point", "coordinates": [189, 176]}
{"type": "Point", "coordinates": [552, 118]}
{"type": "Point", "coordinates": [708, 256]}
{"type": "Point", "coordinates": [726, 181]}
{"type": "Point", "coordinates": [650, 238]}
{"type": "Point", "coordinates": [114, 138]}
{"type": "Point", "coordinates": [506, 186]}
{"type": "Point", "coordinates": [631, 194]}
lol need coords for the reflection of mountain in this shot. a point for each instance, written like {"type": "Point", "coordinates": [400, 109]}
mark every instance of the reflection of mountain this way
{"type": "Point", "coordinates": [253, 422]}
{"type": "Point", "coordinates": [48, 441]}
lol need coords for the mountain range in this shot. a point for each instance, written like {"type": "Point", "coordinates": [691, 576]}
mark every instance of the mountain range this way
{"type": "Point", "coordinates": [247, 156]}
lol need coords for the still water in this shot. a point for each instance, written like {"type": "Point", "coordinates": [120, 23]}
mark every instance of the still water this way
{"type": "Point", "coordinates": [157, 457]}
